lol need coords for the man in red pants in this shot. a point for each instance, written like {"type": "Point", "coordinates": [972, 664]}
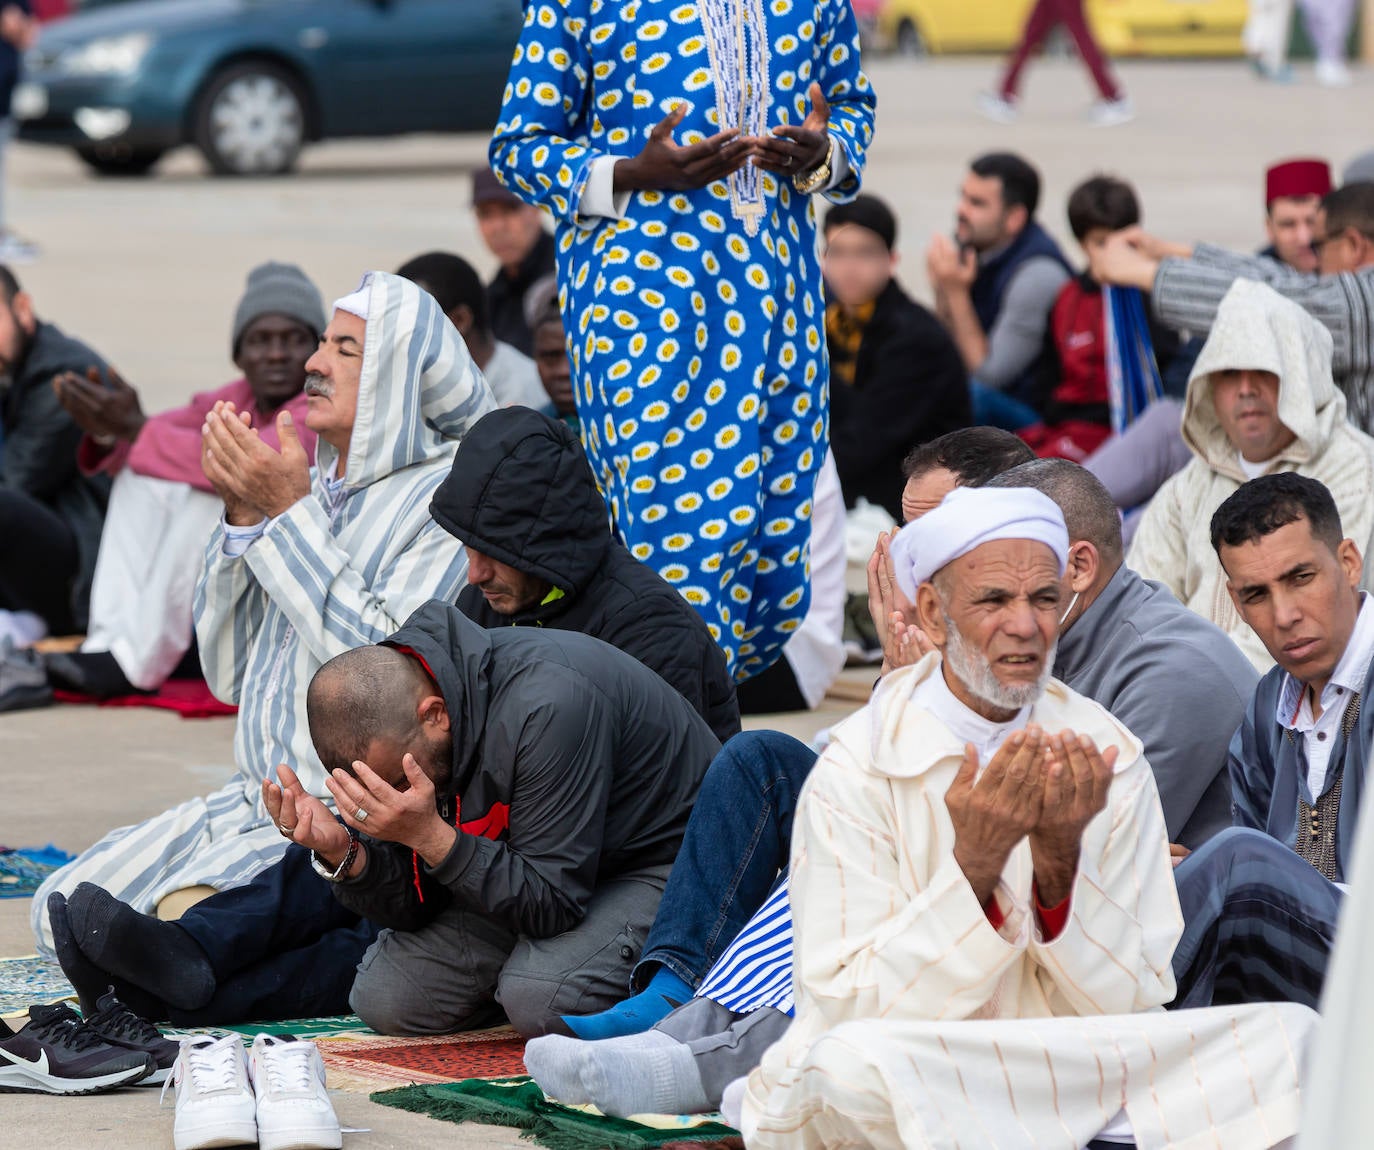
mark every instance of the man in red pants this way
{"type": "Point", "coordinates": [1113, 107]}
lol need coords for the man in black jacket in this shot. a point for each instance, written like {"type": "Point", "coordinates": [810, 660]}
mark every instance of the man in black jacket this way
{"type": "Point", "coordinates": [522, 500]}
{"type": "Point", "coordinates": [896, 376]}
{"type": "Point", "coordinates": [50, 514]}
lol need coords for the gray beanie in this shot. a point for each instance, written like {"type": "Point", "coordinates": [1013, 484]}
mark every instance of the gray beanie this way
{"type": "Point", "coordinates": [278, 289]}
{"type": "Point", "coordinates": [1360, 170]}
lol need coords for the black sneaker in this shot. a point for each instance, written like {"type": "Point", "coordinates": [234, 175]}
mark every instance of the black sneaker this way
{"type": "Point", "coordinates": [23, 681]}
{"type": "Point", "coordinates": [57, 1054]}
{"type": "Point", "coordinates": [120, 1026]}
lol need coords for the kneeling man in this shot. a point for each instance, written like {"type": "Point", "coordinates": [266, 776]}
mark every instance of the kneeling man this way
{"type": "Point", "coordinates": [980, 843]}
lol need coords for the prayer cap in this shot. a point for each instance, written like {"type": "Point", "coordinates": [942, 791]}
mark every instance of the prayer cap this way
{"type": "Point", "coordinates": [1360, 170]}
{"type": "Point", "coordinates": [970, 517]}
{"type": "Point", "coordinates": [355, 303]}
{"type": "Point", "coordinates": [1297, 178]}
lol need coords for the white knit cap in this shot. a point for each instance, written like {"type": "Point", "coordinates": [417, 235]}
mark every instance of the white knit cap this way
{"type": "Point", "coordinates": [969, 517]}
{"type": "Point", "coordinates": [355, 303]}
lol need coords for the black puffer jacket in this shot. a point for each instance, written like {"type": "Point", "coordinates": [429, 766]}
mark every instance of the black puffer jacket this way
{"type": "Point", "coordinates": [521, 491]}
{"type": "Point", "coordinates": [572, 764]}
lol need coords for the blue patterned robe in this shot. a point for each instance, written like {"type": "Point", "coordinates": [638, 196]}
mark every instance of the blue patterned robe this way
{"type": "Point", "coordinates": [698, 351]}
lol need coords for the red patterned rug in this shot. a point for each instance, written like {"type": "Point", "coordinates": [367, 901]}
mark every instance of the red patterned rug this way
{"type": "Point", "coordinates": [372, 1062]}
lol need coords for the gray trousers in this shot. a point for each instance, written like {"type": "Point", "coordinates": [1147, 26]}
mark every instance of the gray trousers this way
{"type": "Point", "coordinates": [463, 970]}
{"type": "Point", "coordinates": [724, 1045]}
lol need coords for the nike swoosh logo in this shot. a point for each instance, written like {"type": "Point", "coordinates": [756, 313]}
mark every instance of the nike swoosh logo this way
{"type": "Point", "coordinates": [39, 1064]}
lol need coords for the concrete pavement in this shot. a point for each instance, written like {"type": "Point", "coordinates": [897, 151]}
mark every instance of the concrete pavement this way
{"type": "Point", "coordinates": [148, 272]}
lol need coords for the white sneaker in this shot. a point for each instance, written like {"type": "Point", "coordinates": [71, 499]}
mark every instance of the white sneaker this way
{"type": "Point", "coordinates": [294, 1111]}
{"type": "Point", "coordinates": [1332, 74]}
{"type": "Point", "coordinates": [997, 108]}
{"type": "Point", "coordinates": [1110, 113]}
{"type": "Point", "coordinates": [215, 1105]}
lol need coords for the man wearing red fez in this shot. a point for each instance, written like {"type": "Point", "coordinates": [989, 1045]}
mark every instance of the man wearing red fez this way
{"type": "Point", "coordinates": [1293, 192]}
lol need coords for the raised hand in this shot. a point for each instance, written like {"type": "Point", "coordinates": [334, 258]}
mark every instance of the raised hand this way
{"type": "Point", "coordinates": [894, 618]}
{"type": "Point", "coordinates": [302, 818]}
{"type": "Point", "coordinates": [239, 463]}
{"type": "Point", "coordinates": [993, 813]}
{"type": "Point", "coordinates": [107, 413]}
{"type": "Point", "coordinates": [368, 803]}
{"type": "Point", "coordinates": [1077, 781]}
{"type": "Point", "coordinates": [949, 267]}
{"type": "Point", "coordinates": [665, 165]}
{"type": "Point", "coordinates": [791, 150]}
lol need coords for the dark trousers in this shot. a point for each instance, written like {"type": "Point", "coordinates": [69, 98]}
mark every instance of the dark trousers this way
{"type": "Point", "coordinates": [738, 839]}
{"type": "Point", "coordinates": [773, 692]}
{"type": "Point", "coordinates": [1041, 22]}
{"type": "Point", "coordinates": [1259, 923]}
{"type": "Point", "coordinates": [281, 947]}
{"type": "Point", "coordinates": [38, 561]}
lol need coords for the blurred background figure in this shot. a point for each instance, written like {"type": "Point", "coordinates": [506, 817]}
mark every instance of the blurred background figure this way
{"type": "Point", "coordinates": [514, 233]}
{"type": "Point", "coordinates": [1293, 192]}
{"type": "Point", "coordinates": [17, 33]}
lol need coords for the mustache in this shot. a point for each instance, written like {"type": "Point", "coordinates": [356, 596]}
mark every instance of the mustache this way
{"type": "Point", "coordinates": [316, 384]}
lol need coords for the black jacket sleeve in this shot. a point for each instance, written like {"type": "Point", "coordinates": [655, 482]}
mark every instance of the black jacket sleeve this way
{"type": "Point", "coordinates": [386, 891]}
{"type": "Point", "coordinates": [41, 440]}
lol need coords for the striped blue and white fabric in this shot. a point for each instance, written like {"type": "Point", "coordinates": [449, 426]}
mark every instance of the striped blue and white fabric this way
{"type": "Point", "coordinates": [756, 970]}
{"type": "Point", "coordinates": [334, 572]}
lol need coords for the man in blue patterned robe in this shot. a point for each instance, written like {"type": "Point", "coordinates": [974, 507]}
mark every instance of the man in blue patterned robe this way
{"type": "Point", "coordinates": [677, 146]}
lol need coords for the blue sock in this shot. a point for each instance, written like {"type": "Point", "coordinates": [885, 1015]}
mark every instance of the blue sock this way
{"type": "Point", "coordinates": [664, 994]}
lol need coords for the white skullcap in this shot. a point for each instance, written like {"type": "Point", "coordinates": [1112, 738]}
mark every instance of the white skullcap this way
{"type": "Point", "coordinates": [970, 517]}
{"type": "Point", "coordinates": [355, 303]}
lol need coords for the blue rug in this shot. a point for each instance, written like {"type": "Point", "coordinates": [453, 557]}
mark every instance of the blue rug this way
{"type": "Point", "coordinates": [22, 871]}
{"type": "Point", "coordinates": [25, 981]}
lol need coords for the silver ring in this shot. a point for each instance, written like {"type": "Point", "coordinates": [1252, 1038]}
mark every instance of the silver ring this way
{"type": "Point", "coordinates": [285, 829]}
{"type": "Point", "coordinates": [789, 162]}
{"type": "Point", "coordinates": [360, 815]}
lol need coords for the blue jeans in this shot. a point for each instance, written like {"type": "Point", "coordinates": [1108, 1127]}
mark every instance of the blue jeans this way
{"type": "Point", "coordinates": [1258, 923]}
{"type": "Point", "coordinates": [993, 408]}
{"type": "Point", "coordinates": [737, 841]}
{"type": "Point", "coordinates": [281, 947]}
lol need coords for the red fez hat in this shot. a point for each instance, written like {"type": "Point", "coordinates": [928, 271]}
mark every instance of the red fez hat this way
{"type": "Point", "coordinates": [1297, 178]}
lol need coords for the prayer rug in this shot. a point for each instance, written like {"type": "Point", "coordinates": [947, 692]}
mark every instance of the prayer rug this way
{"type": "Point", "coordinates": [22, 871]}
{"type": "Point", "coordinates": [189, 698]}
{"type": "Point", "coordinates": [520, 1103]}
{"type": "Point", "coordinates": [25, 981]}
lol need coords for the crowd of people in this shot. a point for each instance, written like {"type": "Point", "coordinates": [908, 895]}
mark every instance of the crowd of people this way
{"type": "Point", "coordinates": [492, 572]}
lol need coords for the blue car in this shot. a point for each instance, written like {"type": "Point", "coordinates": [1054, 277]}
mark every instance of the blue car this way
{"type": "Point", "coordinates": [250, 82]}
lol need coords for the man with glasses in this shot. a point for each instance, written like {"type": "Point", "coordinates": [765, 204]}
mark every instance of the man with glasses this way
{"type": "Point", "coordinates": [1187, 283]}
{"type": "Point", "coordinates": [896, 377]}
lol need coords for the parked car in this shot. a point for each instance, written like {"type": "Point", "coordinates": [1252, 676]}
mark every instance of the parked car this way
{"type": "Point", "coordinates": [250, 82]}
{"type": "Point", "coordinates": [1124, 27]}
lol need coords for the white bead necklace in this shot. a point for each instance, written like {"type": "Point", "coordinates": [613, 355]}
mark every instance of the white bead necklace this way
{"type": "Point", "coordinates": [737, 42]}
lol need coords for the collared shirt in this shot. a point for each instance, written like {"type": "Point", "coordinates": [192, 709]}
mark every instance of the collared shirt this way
{"type": "Point", "coordinates": [1295, 700]}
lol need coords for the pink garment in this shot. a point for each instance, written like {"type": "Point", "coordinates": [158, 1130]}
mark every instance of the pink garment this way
{"type": "Point", "coordinates": [168, 447]}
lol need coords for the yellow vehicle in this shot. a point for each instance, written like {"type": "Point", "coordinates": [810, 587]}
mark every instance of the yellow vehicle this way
{"type": "Point", "coordinates": [1123, 27]}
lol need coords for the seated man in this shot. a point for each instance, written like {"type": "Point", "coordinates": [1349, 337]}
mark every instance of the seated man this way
{"type": "Point", "coordinates": [522, 793]}
{"type": "Point", "coordinates": [162, 507]}
{"type": "Point", "coordinates": [555, 369]}
{"type": "Point", "coordinates": [50, 512]}
{"type": "Point", "coordinates": [453, 282]}
{"type": "Point", "coordinates": [995, 284]}
{"type": "Point", "coordinates": [1188, 284]}
{"type": "Point", "coordinates": [1127, 644]}
{"type": "Point", "coordinates": [540, 554]}
{"type": "Point", "coordinates": [895, 375]}
{"type": "Point", "coordinates": [1261, 901]}
{"type": "Point", "coordinates": [940, 989]}
{"type": "Point", "coordinates": [306, 565]}
{"type": "Point", "coordinates": [1260, 399]}
{"type": "Point", "coordinates": [515, 234]}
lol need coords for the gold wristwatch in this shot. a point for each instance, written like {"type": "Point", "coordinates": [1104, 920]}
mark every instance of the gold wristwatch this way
{"type": "Point", "coordinates": [816, 178]}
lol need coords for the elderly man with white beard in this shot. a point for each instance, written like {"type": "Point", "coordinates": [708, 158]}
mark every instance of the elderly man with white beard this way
{"type": "Point", "coordinates": [983, 899]}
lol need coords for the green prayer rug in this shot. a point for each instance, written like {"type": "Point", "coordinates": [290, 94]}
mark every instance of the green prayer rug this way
{"type": "Point", "coordinates": [520, 1103]}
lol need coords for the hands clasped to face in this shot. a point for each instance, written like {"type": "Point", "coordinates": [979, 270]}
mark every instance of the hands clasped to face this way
{"type": "Point", "coordinates": [893, 614]}
{"type": "Point", "coordinates": [254, 481]}
{"type": "Point", "coordinates": [1045, 788]}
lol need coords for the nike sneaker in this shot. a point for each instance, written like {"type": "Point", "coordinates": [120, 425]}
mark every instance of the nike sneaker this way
{"type": "Point", "coordinates": [56, 1053]}
{"type": "Point", "coordinates": [120, 1026]}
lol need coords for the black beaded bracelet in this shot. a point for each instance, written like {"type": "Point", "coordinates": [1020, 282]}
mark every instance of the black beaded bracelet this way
{"type": "Point", "coordinates": [349, 856]}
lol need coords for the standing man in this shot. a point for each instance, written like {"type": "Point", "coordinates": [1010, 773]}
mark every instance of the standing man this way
{"type": "Point", "coordinates": [1112, 108]}
{"type": "Point", "coordinates": [17, 31]}
{"type": "Point", "coordinates": [995, 286]}
{"type": "Point", "coordinates": [514, 233]}
{"type": "Point", "coordinates": [690, 287]}
{"type": "Point", "coordinates": [1293, 192]}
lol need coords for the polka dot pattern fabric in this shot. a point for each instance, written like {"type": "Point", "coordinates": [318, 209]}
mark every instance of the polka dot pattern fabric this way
{"type": "Point", "coordinates": [698, 351]}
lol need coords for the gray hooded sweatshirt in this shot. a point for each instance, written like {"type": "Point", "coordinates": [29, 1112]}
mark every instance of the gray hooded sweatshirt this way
{"type": "Point", "coordinates": [1258, 329]}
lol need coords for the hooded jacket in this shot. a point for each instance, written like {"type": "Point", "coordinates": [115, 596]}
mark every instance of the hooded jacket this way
{"type": "Point", "coordinates": [572, 764]}
{"type": "Point", "coordinates": [342, 567]}
{"type": "Point", "coordinates": [522, 492]}
{"type": "Point", "coordinates": [1255, 328]}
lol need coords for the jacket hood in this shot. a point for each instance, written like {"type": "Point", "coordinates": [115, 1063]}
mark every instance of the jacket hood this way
{"type": "Point", "coordinates": [458, 655]}
{"type": "Point", "coordinates": [418, 388]}
{"type": "Point", "coordinates": [1256, 328]}
{"type": "Point", "coordinates": [521, 491]}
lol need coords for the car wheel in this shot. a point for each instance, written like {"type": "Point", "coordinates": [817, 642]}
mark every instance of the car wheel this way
{"type": "Point", "coordinates": [909, 39]}
{"type": "Point", "coordinates": [120, 161]}
{"type": "Point", "coordinates": [251, 121]}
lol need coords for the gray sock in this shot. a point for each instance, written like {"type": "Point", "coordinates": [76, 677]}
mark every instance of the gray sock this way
{"type": "Point", "coordinates": [556, 1062]}
{"type": "Point", "coordinates": [649, 1073]}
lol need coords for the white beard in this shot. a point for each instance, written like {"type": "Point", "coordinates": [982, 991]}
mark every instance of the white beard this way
{"type": "Point", "coordinates": [971, 667]}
